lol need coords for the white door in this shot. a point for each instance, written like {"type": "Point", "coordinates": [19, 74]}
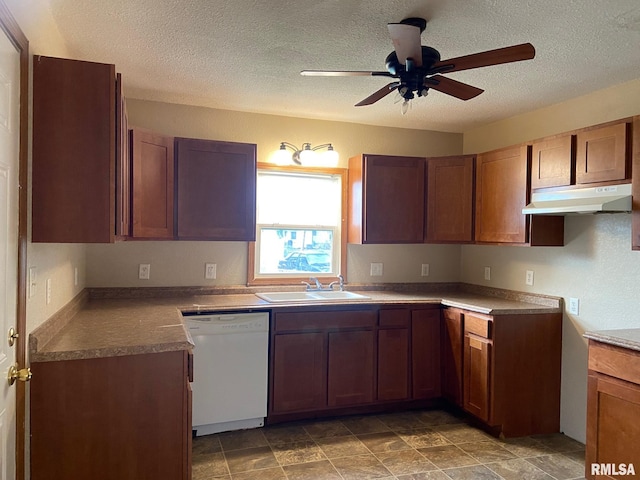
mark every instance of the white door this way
{"type": "Point", "coordinates": [9, 169]}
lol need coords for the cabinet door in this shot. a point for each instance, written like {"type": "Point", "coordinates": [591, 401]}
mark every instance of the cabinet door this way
{"type": "Point", "coordinates": [123, 165]}
{"type": "Point", "coordinates": [425, 353]}
{"type": "Point", "coordinates": [613, 430]}
{"type": "Point", "coordinates": [552, 162]}
{"type": "Point", "coordinates": [393, 363]}
{"type": "Point", "coordinates": [450, 199]}
{"type": "Point", "coordinates": [216, 190]}
{"type": "Point", "coordinates": [299, 372]}
{"type": "Point", "coordinates": [153, 185]}
{"type": "Point", "coordinates": [452, 341]}
{"type": "Point", "coordinates": [602, 154]}
{"type": "Point", "coordinates": [74, 151]}
{"type": "Point", "coordinates": [392, 203]}
{"type": "Point", "coordinates": [501, 194]}
{"type": "Point", "coordinates": [112, 417]}
{"type": "Point", "coordinates": [635, 216]}
{"type": "Point", "coordinates": [477, 375]}
{"type": "Point", "coordinates": [351, 368]}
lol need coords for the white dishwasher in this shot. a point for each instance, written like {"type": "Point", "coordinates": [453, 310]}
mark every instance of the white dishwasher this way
{"type": "Point", "coordinates": [230, 370]}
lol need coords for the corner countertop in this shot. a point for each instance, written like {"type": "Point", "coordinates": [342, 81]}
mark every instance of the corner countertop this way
{"type": "Point", "coordinates": [115, 322]}
{"type": "Point", "coordinates": [625, 338]}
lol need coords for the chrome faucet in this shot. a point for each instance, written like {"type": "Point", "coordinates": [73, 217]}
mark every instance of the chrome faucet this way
{"type": "Point", "coordinates": [320, 287]}
{"type": "Point", "coordinates": [340, 281]}
{"type": "Point", "coordinates": [317, 282]}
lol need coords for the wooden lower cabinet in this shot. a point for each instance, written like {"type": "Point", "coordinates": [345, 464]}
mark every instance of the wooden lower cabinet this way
{"type": "Point", "coordinates": [502, 369]}
{"type": "Point", "coordinates": [394, 354]}
{"type": "Point", "coordinates": [321, 359]}
{"type": "Point", "coordinates": [350, 373]}
{"type": "Point", "coordinates": [123, 417]}
{"type": "Point", "coordinates": [425, 353]}
{"type": "Point", "coordinates": [613, 410]}
{"type": "Point", "coordinates": [451, 356]}
{"type": "Point", "coordinates": [511, 368]}
{"type": "Point", "coordinates": [477, 376]}
{"type": "Point", "coordinates": [299, 373]}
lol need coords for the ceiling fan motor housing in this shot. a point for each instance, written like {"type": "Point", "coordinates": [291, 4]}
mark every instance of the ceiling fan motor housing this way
{"type": "Point", "coordinates": [412, 76]}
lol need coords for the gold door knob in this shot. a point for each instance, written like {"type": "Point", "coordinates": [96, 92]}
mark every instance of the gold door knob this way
{"type": "Point", "coordinates": [23, 374]}
{"type": "Point", "coordinates": [13, 336]}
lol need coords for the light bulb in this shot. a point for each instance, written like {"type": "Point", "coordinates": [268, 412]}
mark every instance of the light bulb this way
{"type": "Point", "coordinates": [307, 156]}
{"type": "Point", "coordinates": [404, 108]}
{"type": "Point", "coordinates": [281, 156]}
{"type": "Point", "coordinates": [330, 157]}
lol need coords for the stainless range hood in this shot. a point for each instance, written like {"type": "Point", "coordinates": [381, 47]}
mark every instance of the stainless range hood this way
{"type": "Point", "coordinates": [609, 199]}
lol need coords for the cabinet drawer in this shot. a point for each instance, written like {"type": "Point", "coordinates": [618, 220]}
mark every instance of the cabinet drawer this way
{"type": "Point", "coordinates": [320, 320]}
{"type": "Point", "coordinates": [394, 317]}
{"type": "Point", "coordinates": [478, 325]}
{"type": "Point", "coordinates": [614, 361]}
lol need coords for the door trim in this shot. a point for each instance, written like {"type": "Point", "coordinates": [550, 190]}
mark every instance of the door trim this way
{"type": "Point", "coordinates": [13, 32]}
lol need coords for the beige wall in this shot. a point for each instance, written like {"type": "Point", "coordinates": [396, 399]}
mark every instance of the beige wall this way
{"type": "Point", "coordinates": [596, 265]}
{"type": "Point", "coordinates": [51, 261]}
{"type": "Point", "coordinates": [182, 263]}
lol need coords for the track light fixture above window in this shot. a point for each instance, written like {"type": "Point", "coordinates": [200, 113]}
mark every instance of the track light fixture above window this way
{"type": "Point", "coordinates": [307, 156]}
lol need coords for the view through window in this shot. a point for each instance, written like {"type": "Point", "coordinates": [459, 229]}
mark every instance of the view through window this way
{"type": "Point", "coordinates": [299, 215]}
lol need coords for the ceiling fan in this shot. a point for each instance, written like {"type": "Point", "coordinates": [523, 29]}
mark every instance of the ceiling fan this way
{"type": "Point", "coordinates": [418, 68]}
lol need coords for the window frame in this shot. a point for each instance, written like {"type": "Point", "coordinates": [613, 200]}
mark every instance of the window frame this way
{"type": "Point", "coordinates": [342, 256]}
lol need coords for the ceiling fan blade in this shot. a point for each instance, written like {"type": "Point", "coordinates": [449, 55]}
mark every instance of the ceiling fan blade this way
{"type": "Point", "coordinates": [515, 53]}
{"type": "Point", "coordinates": [406, 42]}
{"type": "Point", "coordinates": [451, 87]}
{"type": "Point", "coordinates": [377, 95]}
{"type": "Point", "coordinates": [342, 73]}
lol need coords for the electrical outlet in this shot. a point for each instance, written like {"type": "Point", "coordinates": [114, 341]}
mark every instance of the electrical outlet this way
{"type": "Point", "coordinates": [75, 276]}
{"type": "Point", "coordinates": [376, 270]}
{"type": "Point", "coordinates": [48, 287]}
{"type": "Point", "coordinates": [529, 277]}
{"type": "Point", "coordinates": [210, 271]}
{"type": "Point", "coordinates": [487, 273]}
{"type": "Point", "coordinates": [425, 270]}
{"type": "Point", "coordinates": [32, 281]}
{"type": "Point", "coordinates": [144, 271]}
{"type": "Point", "coordinates": [574, 306]}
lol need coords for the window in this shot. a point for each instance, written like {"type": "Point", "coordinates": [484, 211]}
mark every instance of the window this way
{"type": "Point", "coordinates": [299, 221]}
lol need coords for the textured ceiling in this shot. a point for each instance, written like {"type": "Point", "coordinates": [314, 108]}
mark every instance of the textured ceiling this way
{"type": "Point", "coordinates": [246, 55]}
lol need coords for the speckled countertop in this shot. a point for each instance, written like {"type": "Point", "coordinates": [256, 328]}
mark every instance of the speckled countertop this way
{"type": "Point", "coordinates": [113, 322]}
{"type": "Point", "coordinates": [626, 338]}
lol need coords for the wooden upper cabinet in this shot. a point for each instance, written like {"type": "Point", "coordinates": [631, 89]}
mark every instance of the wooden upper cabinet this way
{"type": "Point", "coordinates": [635, 223]}
{"type": "Point", "coordinates": [450, 199]}
{"type": "Point", "coordinates": [123, 165]}
{"type": "Point", "coordinates": [216, 190]}
{"type": "Point", "coordinates": [501, 193]}
{"type": "Point", "coordinates": [552, 162]}
{"type": "Point", "coordinates": [386, 199]}
{"type": "Point", "coordinates": [603, 154]}
{"type": "Point", "coordinates": [74, 151]}
{"type": "Point", "coordinates": [153, 184]}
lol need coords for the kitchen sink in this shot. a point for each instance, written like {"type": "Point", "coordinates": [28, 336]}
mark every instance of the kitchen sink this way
{"type": "Point", "coordinates": [313, 296]}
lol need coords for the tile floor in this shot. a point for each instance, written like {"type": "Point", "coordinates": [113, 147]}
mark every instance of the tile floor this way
{"type": "Point", "coordinates": [421, 445]}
